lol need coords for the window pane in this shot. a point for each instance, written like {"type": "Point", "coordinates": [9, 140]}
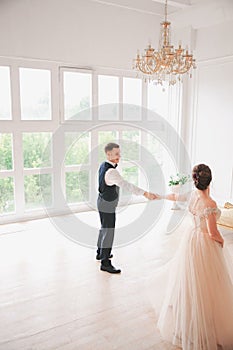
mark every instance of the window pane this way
{"type": "Point", "coordinates": [7, 204]}
{"type": "Point", "coordinates": [105, 137]}
{"type": "Point", "coordinates": [76, 148]}
{"type": "Point", "coordinates": [132, 95]}
{"type": "Point", "coordinates": [77, 95]}
{"type": "Point", "coordinates": [108, 93]}
{"type": "Point", "coordinates": [77, 186]}
{"type": "Point", "coordinates": [131, 146]}
{"type": "Point", "coordinates": [154, 146]}
{"type": "Point", "coordinates": [130, 174]}
{"type": "Point", "coordinates": [158, 100]}
{"type": "Point", "coordinates": [6, 162]}
{"type": "Point", "coordinates": [5, 94]}
{"type": "Point", "coordinates": [36, 151]}
{"type": "Point", "coordinates": [35, 94]}
{"type": "Point", "coordinates": [38, 191]}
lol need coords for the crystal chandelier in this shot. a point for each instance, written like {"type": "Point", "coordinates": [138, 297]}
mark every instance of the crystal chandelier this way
{"type": "Point", "coordinates": [166, 64]}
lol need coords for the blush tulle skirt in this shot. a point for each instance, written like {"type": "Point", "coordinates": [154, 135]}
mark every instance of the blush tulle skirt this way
{"type": "Point", "coordinates": [195, 309]}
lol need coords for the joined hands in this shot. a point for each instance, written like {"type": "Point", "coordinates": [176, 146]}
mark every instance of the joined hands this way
{"type": "Point", "coordinates": [151, 196]}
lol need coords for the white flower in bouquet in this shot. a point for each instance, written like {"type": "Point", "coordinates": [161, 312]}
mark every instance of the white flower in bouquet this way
{"type": "Point", "coordinates": [178, 179]}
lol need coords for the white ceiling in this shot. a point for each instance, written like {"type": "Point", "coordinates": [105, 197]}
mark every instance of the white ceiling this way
{"type": "Point", "coordinates": [195, 13]}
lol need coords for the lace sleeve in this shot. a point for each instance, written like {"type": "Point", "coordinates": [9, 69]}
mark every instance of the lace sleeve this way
{"type": "Point", "coordinates": [210, 210]}
{"type": "Point", "coordinates": [212, 225]}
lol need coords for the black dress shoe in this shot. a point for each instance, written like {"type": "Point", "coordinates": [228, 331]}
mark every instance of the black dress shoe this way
{"type": "Point", "coordinates": [109, 268]}
{"type": "Point", "coordinates": [98, 257]}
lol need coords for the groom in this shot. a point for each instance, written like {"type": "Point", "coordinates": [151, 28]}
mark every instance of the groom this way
{"type": "Point", "coordinates": [109, 182]}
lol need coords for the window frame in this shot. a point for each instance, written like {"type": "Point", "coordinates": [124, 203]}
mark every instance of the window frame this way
{"type": "Point", "coordinates": [17, 127]}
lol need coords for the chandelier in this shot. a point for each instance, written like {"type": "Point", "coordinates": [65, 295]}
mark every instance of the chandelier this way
{"type": "Point", "coordinates": [167, 64]}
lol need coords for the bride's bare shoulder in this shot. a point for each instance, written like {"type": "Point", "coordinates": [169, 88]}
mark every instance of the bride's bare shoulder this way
{"type": "Point", "coordinates": [210, 203]}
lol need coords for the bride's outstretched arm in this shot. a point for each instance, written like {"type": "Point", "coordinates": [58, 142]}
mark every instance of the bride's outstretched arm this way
{"type": "Point", "coordinates": [176, 197]}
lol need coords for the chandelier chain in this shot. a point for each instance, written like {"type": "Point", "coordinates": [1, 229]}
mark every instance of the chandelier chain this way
{"type": "Point", "coordinates": [165, 10]}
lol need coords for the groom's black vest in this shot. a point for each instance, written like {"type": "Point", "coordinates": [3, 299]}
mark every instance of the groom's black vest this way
{"type": "Point", "coordinates": [108, 193]}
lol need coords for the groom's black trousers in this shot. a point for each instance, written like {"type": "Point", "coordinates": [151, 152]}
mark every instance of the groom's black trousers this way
{"type": "Point", "coordinates": [106, 234]}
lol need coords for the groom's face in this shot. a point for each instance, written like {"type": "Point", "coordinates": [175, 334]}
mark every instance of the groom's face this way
{"type": "Point", "coordinates": [114, 155]}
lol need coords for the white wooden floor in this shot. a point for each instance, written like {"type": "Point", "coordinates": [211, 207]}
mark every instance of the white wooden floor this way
{"type": "Point", "coordinates": [53, 295]}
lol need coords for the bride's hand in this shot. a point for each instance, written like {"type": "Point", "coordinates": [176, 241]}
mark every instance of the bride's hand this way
{"type": "Point", "coordinates": [220, 243]}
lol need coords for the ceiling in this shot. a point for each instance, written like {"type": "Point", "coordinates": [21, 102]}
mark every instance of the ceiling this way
{"type": "Point", "coordinates": [197, 13]}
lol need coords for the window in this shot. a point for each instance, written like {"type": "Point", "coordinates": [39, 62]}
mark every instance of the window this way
{"type": "Point", "coordinates": [38, 191]}
{"type": "Point", "coordinates": [37, 150]}
{"type": "Point", "coordinates": [77, 148]}
{"type": "Point", "coordinates": [43, 158]}
{"type": "Point", "coordinates": [5, 94]}
{"type": "Point", "coordinates": [130, 156]}
{"type": "Point", "coordinates": [37, 155]}
{"type": "Point", "coordinates": [132, 96]}
{"type": "Point", "coordinates": [6, 159]}
{"type": "Point", "coordinates": [155, 147]}
{"type": "Point", "coordinates": [35, 94]}
{"type": "Point", "coordinates": [6, 182]}
{"type": "Point", "coordinates": [77, 95]}
{"type": "Point", "coordinates": [77, 167]}
{"type": "Point", "coordinates": [105, 137]}
{"type": "Point", "coordinates": [77, 186]}
{"type": "Point", "coordinates": [108, 92]}
{"type": "Point", "coordinates": [7, 195]}
{"type": "Point", "coordinates": [131, 142]}
{"type": "Point", "coordinates": [131, 174]}
{"type": "Point", "coordinates": [158, 100]}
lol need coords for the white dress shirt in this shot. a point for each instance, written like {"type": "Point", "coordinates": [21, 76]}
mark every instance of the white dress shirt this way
{"type": "Point", "coordinates": [113, 177]}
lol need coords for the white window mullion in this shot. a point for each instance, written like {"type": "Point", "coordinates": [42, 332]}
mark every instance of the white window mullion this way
{"type": "Point", "coordinates": [6, 173]}
{"type": "Point", "coordinates": [58, 152]}
{"type": "Point", "coordinates": [18, 161]}
{"type": "Point", "coordinates": [120, 98]}
{"type": "Point", "coordinates": [55, 96]}
{"type": "Point", "coordinates": [15, 93]}
{"type": "Point", "coordinates": [95, 96]}
{"type": "Point", "coordinates": [61, 95]}
{"type": "Point", "coordinates": [94, 166]}
{"type": "Point", "coordinates": [76, 168]}
{"type": "Point", "coordinates": [19, 173]}
{"type": "Point", "coordinates": [144, 100]}
{"type": "Point", "coordinates": [36, 171]}
{"type": "Point", "coordinates": [144, 143]}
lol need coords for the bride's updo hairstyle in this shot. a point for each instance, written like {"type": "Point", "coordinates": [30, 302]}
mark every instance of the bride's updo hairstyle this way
{"type": "Point", "coordinates": [201, 176]}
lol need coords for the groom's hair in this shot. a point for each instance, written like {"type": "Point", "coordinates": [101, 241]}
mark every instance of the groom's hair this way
{"type": "Point", "coordinates": [110, 146]}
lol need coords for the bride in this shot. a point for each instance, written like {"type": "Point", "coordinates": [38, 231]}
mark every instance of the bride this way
{"type": "Point", "coordinates": [197, 310]}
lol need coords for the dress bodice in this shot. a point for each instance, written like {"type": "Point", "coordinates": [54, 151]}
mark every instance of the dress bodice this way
{"type": "Point", "coordinates": [199, 217]}
{"type": "Point", "coordinates": [199, 213]}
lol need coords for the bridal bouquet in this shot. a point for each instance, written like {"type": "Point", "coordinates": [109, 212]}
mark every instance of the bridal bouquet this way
{"type": "Point", "coordinates": [178, 179]}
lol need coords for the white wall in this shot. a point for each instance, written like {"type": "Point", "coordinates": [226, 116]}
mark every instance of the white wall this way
{"type": "Point", "coordinates": [74, 31]}
{"type": "Point", "coordinates": [211, 108]}
{"type": "Point", "coordinates": [215, 41]}
{"type": "Point", "coordinates": [214, 125]}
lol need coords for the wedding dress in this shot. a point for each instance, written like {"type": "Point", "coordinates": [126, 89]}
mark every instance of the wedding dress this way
{"type": "Point", "coordinates": [197, 307]}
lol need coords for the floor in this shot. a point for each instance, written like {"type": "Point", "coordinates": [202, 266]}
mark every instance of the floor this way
{"type": "Point", "coordinates": [53, 295]}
